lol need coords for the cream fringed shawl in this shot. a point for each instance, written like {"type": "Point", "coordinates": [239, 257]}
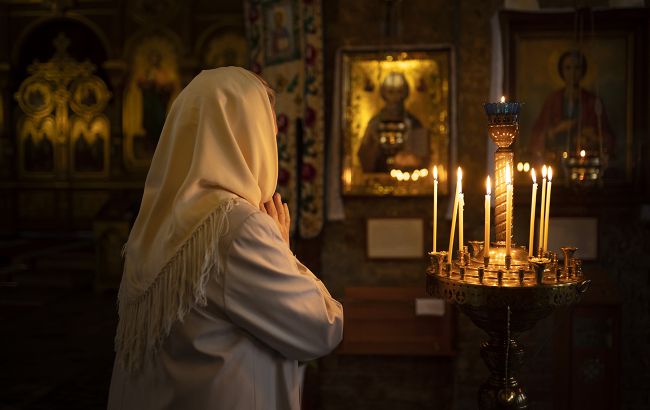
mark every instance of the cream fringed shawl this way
{"type": "Point", "coordinates": [218, 144]}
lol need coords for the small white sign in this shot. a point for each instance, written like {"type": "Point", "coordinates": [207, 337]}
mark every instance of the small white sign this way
{"type": "Point", "coordinates": [429, 307]}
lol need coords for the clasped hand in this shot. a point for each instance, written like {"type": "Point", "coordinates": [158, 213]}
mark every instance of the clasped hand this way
{"type": "Point", "coordinates": [279, 212]}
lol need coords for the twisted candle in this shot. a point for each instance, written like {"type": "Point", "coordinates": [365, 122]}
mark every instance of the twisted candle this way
{"type": "Point", "coordinates": [459, 189]}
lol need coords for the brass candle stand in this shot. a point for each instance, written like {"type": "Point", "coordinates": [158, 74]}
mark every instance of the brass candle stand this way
{"type": "Point", "coordinates": [505, 294]}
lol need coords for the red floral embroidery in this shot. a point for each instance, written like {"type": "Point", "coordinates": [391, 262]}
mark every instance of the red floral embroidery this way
{"type": "Point", "coordinates": [310, 54]}
{"type": "Point", "coordinates": [308, 172]}
{"type": "Point", "coordinates": [310, 117]}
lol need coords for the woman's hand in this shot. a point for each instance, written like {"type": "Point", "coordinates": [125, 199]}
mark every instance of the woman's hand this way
{"type": "Point", "coordinates": [280, 214]}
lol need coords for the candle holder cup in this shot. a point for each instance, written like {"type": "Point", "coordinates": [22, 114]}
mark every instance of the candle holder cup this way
{"type": "Point", "coordinates": [568, 252]}
{"type": "Point", "coordinates": [438, 260]}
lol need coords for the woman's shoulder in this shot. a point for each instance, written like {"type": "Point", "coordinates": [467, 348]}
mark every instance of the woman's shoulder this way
{"type": "Point", "coordinates": [240, 211]}
{"type": "Point", "coordinates": [243, 213]}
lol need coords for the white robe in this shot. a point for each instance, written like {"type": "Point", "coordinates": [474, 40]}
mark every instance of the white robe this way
{"type": "Point", "coordinates": [264, 314]}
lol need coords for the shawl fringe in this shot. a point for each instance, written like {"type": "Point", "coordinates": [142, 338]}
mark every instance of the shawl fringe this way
{"type": "Point", "coordinates": [145, 322]}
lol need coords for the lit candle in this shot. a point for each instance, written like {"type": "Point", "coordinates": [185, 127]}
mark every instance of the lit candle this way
{"type": "Point", "coordinates": [508, 210]}
{"type": "Point", "coordinates": [540, 242]}
{"type": "Point", "coordinates": [532, 214]}
{"type": "Point", "coordinates": [435, 206]}
{"type": "Point", "coordinates": [486, 237]}
{"type": "Point", "coordinates": [502, 107]}
{"type": "Point", "coordinates": [461, 207]}
{"type": "Point", "coordinates": [459, 182]}
{"type": "Point", "coordinates": [548, 208]}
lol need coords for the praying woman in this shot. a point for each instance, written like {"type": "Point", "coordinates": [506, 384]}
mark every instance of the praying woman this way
{"type": "Point", "coordinates": [215, 312]}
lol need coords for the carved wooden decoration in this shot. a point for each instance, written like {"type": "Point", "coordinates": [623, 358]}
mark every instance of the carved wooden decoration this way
{"type": "Point", "coordinates": [62, 131]}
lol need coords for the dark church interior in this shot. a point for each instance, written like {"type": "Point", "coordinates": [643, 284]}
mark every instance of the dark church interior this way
{"type": "Point", "coordinates": [378, 103]}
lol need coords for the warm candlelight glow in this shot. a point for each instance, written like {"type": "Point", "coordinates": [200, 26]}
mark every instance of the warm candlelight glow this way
{"type": "Point", "coordinates": [508, 177]}
{"type": "Point", "coordinates": [544, 171]}
{"type": "Point", "coordinates": [488, 186]}
{"type": "Point", "coordinates": [532, 174]}
{"type": "Point", "coordinates": [583, 153]}
{"type": "Point", "coordinates": [347, 176]}
{"type": "Point", "coordinates": [435, 172]}
{"type": "Point", "coordinates": [550, 174]}
{"type": "Point", "coordinates": [503, 98]}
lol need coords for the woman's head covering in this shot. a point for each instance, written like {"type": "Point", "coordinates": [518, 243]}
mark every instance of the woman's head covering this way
{"type": "Point", "coordinates": [218, 143]}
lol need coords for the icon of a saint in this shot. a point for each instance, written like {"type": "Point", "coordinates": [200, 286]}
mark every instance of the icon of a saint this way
{"type": "Point", "coordinates": [572, 118]}
{"type": "Point", "coordinates": [149, 95]}
{"type": "Point", "coordinates": [394, 137]}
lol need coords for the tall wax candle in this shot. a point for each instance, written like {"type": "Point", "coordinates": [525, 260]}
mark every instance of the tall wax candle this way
{"type": "Point", "coordinates": [540, 242]}
{"type": "Point", "coordinates": [532, 214]}
{"type": "Point", "coordinates": [548, 207]}
{"type": "Point", "coordinates": [459, 182]}
{"type": "Point", "coordinates": [461, 207]}
{"type": "Point", "coordinates": [486, 237]}
{"type": "Point", "coordinates": [508, 210]}
{"type": "Point", "coordinates": [435, 207]}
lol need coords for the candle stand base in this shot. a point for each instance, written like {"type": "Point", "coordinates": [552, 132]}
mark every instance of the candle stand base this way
{"type": "Point", "coordinates": [492, 394]}
{"type": "Point", "coordinates": [504, 303]}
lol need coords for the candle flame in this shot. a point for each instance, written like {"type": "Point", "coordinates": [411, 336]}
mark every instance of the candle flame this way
{"type": "Point", "coordinates": [503, 98]}
{"type": "Point", "coordinates": [532, 173]}
{"type": "Point", "coordinates": [508, 175]}
{"type": "Point", "coordinates": [435, 172]}
{"type": "Point", "coordinates": [583, 153]}
{"type": "Point", "coordinates": [544, 171]}
{"type": "Point", "coordinates": [550, 174]}
{"type": "Point", "coordinates": [459, 173]}
{"type": "Point", "coordinates": [488, 186]}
